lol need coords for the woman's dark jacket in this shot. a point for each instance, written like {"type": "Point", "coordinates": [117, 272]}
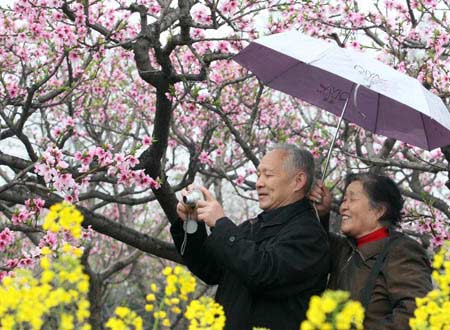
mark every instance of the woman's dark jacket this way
{"type": "Point", "coordinates": [267, 268]}
{"type": "Point", "coordinates": [405, 275]}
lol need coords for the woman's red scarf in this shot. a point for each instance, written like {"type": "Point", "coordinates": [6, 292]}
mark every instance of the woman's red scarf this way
{"type": "Point", "coordinates": [373, 236]}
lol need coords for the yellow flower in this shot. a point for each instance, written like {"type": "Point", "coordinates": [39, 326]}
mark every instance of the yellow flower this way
{"type": "Point", "coordinates": [86, 327]}
{"type": "Point", "coordinates": [7, 281]}
{"type": "Point", "coordinates": [307, 325]}
{"type": "Point", "coordinates": [115, 324]}
{"type": "Point", "coordinates": [167, 271]}
{"type": "Point", "coordinates": [432, 308]}
{"type": "Point", "coordinates": [150, 297]}
{"type": "Point", "coordinates": [67, 248]}
{"type": "Point", "coordinates": [83, 310]}
{"type": "Point", "coordinates": [83, 286]}
{"type": "Point", "coordinates": [159, 315]}
{"type": "Point", "coordinates": [421, 301]}
{"type": "Point", "coordinates": [206, 312]}
{"type": "Point", "coordinates": [333, 310]}
{"type": "Point", "coordinates": [45, 250]}
{"type": "Point", "coordinates": [137, 322]}
{"type": "Point", "coordinates": [315, 302]}
{"type": "Point", "coordinates": [154, 287]}
{"type": "Point", "coordinates": [170, 290]}
{"type": "Point", "coordinates": [178, 270]}
{"type": "Point", "coordinates": [438, 261]}
{"type": "Point", "coordinates": [171, 279]}
{"type": "Point", "coordinates": [327, 326]}
{"type": "Point", "coordinates": [78, 252]}
{"type": "Point", "coordinates": [315, 316]}
{"type": "Point", "coordinates": [176, 310]}
{"type": "Point", "coordinates": [328, 304]}
{"type": "Point", "coordinates": [7, 322]}
{"type": "Point", "coordinates": [122, 311]}
{"type": "Point", "coordinates": [45, 263]}
{"type": "Point", "coordinates": [47, 276]}
{"type": "Point", "coordinates": [66, 322]}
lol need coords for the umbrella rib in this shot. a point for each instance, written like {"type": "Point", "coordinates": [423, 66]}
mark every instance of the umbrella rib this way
{"type": "Point", "coordinates": [376, 115]}
{"type": "Point", "coordinates": [281, 73]}
{"type": "Point", "coordinates": [425, 130]}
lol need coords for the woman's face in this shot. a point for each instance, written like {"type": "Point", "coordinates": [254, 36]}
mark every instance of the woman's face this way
{"type": "Point", "coordinates": [359, 218]}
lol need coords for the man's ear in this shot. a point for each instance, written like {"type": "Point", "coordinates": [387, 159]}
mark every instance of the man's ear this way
{"type": "Point", "coordinates": [300, 181]}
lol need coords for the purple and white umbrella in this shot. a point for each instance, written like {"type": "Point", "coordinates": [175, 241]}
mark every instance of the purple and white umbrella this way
{"type": "Point", "coordinates": [350, 84]}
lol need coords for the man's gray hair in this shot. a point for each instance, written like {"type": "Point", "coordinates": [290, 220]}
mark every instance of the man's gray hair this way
{"type": "Point", "coordinates": [297, 159]}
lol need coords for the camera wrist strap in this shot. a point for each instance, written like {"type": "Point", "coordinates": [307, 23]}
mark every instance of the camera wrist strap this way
{"type": "Point", "coordinates": [190, 226]}
{"type": "Point", "coordinates": [183, 245]}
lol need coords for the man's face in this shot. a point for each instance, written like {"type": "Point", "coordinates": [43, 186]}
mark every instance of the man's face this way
{"type": "Point", "coordinates": [276, 186]}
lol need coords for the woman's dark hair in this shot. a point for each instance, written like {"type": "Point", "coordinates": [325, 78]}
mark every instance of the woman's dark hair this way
{"type": "Point", "coordinates": [382, 191]}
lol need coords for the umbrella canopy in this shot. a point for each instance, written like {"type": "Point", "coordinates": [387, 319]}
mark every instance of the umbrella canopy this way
{"type": "Point", "coordinates": [378, 97]}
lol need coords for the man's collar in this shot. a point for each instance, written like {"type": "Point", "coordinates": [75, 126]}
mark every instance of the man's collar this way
{"type": "Point", "coordinates": [284, 213]}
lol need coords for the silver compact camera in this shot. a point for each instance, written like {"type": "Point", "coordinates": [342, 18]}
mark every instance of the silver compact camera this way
{"type": "Point", "coordinates": [190, 226]}
{"type": "Point", "coordinates": [192, 198]}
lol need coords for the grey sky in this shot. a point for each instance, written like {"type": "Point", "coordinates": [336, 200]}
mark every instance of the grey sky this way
{"type": "Point", "coordinates": [6, 2]}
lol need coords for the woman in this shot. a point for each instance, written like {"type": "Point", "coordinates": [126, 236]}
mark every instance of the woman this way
{"type": "Point", "coordinates": [379, 266]}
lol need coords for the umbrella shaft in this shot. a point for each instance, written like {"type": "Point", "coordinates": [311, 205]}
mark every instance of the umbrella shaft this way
{"type": "Point", "coordinates": [334, 140]}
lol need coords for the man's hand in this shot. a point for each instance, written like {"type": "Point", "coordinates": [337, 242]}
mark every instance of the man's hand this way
{"type": "Point", "coordinates": [321, 196]}
{"type": "Point", "coordinates": [209, 210]}
{"type": "Point", "coordinates": [183, 211]}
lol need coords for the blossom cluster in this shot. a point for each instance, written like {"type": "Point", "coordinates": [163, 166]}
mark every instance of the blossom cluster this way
{"type": "Point", "coordinates": [11, 264]}
{"type": "Point", "coordinates": [64, 217]}
{"type": "Point", "coordinates": [32, 210]}
{"type": "Point", "coordinates": [169, 302]}
{"type": "Point", "coordinates": [179, 281]}
{"type": "Point", "coordinates": [124, 318]}
{"type": "Point", "coordinates": [432, 310]}
{"type": "Point", "coordinates": [179, 284]}
{"type": "Point", "coordinates": [333, 311]}
{"type": "Point", "coordinates": [6, 238]}
{"type": "Point", "coordinates": [205, 314]}
{"type": "Point", "coordinates": [56, 298]}
{"type": "Point", "coordinates": [53, 168]}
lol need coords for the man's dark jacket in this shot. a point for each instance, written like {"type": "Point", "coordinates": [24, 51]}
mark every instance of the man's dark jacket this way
{"type": "Point", "coordinates": [267, 268]}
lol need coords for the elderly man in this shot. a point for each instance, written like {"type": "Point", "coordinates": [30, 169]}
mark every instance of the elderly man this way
{"type": "Point", "coordinates": [268, 267]}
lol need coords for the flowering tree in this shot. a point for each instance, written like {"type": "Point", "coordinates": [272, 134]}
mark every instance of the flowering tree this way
{"type": "Point", "coordinates": [117, 105]}
{"type": "Point", "coordinates": [411, 36]}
